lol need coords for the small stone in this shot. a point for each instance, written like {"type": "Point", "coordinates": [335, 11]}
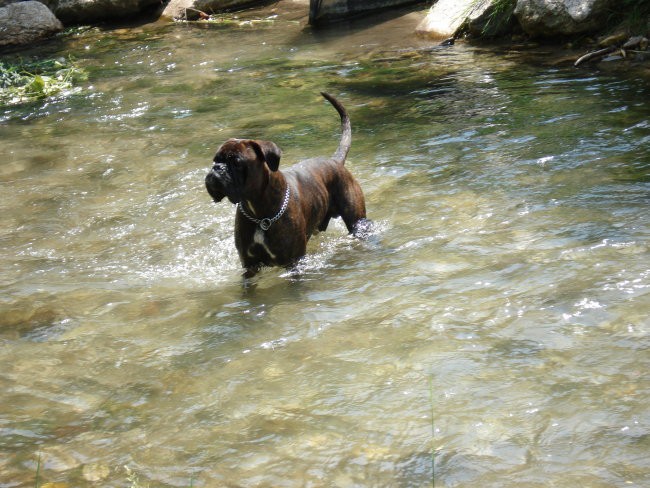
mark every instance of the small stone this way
{"type": "Point", "coordinates": [95, 472]}
{"type": "Point", "coordinates": [613, 40]}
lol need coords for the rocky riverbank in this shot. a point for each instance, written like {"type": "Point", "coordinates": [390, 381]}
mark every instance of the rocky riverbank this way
{"type": "Point", "coordinates": [609, 29]}
{"type": "Point", "coordinates": [599, 30]}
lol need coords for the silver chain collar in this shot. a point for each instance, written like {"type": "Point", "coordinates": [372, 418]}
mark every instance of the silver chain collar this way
{"type": "Point", "coordinates": [265, 223]}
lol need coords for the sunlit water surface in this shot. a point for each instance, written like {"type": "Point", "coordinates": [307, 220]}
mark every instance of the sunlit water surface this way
{"type": "Point", "coordinates": [493, 332]}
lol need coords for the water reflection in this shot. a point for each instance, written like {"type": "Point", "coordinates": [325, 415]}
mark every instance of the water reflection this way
{"type": "Point", "coordinates": [504, 293]}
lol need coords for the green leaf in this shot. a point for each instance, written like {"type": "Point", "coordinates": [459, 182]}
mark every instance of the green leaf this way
{"type": "Point", "coordinates": [37, 86]}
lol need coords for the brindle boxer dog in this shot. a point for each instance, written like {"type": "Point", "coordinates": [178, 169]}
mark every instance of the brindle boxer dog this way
{"type": "Point", "coordinates": [278, 211]}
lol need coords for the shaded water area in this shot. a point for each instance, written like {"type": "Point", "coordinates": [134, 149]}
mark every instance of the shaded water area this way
{"type": "Point", "coordinates": [493, 332]}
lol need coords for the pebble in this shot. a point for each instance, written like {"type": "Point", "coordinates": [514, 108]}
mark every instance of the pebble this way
{"type": "Point", "coordinates": [95, 472]}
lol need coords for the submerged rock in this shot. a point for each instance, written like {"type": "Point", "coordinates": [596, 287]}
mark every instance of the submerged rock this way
{"type": "Point", "coordinates": [194, 9]}
{"type": "Point", "coordinates": [549, 18]}
{"type": "Point", "coordinates": [25, 22]}
{"type": "Point", "coordinates": [95, 472]}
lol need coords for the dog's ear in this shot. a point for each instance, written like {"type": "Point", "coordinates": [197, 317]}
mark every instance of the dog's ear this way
{"type": "Point", "coordinates": [269, 152]}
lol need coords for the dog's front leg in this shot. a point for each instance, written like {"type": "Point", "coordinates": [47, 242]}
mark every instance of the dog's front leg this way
{"type": "Point", "coordinates": [251, 272]}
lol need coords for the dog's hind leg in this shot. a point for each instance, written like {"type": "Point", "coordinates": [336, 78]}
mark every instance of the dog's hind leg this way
{"type": "Point", "coordinates": [353, 206]}
{"type": "Point", "coordinates": [322, 227]}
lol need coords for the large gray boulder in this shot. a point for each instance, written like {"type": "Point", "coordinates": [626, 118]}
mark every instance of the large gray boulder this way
{"type": "Point", "coordinates": [549, 18]}
{"type": "Point", "coordinates": [447, 18]}
{"type": "Point", "coordinates": [191, 9]}
{"type": "Point", "coordinates": [25, 22]}
{"type": "Point", "coordinates": [89, 11]}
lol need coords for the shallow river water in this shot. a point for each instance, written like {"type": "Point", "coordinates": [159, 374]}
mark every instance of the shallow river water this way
{"type": "Point", "coordinates": [492, 332]}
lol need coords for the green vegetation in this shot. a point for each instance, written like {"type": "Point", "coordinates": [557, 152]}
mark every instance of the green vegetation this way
{"type": "Point", "coordinates": [433, 434]}
{"type": "Point", "coordinates": [499, 16]}
{"type": "Point", "coordinates": [38, 472]}
{"type": "Point", "coordinates": [633, 16]}
{"type": "Point", "coordinates": [27, 81]}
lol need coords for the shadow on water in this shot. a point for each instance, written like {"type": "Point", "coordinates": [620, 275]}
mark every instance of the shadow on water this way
{"type": "Point", "coordinates": [360, 23]}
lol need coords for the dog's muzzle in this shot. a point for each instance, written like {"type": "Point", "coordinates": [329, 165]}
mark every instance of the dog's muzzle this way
{"type": "Point", "coordinates": [215, 185]}
{"type": "Point", "coordinates": [219, 184]}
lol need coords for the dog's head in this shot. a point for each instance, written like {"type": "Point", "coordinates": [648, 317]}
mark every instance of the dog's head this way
{"type": "Point", "coordinates": [241, 169]}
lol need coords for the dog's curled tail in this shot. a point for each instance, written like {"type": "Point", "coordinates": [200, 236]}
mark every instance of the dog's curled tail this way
{"type": "Point", "coordinates": [346, 130]}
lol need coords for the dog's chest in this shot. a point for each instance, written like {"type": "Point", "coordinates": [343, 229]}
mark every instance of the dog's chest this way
{"type": "Point", "coordinates": [259, 246]}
